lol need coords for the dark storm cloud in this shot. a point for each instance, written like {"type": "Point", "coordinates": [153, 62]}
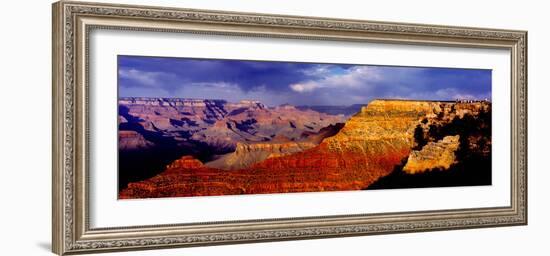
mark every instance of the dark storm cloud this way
{"type": "Point", "coordinates": [248, 75]}
{"type": "Point", "coordinates": [295, 83]}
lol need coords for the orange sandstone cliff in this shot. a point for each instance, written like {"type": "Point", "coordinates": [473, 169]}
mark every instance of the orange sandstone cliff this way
{"type": "Point", "coordinates": [434, 155]}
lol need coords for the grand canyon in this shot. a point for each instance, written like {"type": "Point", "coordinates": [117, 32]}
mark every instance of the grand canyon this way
{"type": "Point", "coordinates": [176, 147]}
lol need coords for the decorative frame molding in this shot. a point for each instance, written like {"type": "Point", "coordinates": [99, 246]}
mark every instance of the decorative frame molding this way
{"type": "Point", "coordinates": [72, 22]}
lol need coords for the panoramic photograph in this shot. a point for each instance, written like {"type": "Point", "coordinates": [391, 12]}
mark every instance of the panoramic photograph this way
{"type": "Point", "coordinates": [212, 127]}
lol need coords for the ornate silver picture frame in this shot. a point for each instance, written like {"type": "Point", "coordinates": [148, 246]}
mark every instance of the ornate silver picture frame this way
{"type": "Point", "coordinates": [72, 24]}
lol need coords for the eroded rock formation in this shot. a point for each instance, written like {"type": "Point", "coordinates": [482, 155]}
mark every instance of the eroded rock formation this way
{"type": "Point", "coordinates": [156, 131]}
{"type": "Point", "coordinates": [247, 154]}
{"type": "Point", "coordinates": [434, 155]}
{"type": "Point", "coordinates": [218, 123]}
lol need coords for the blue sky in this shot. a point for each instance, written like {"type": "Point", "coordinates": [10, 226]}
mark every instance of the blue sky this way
{"type": "Point", "coordinates": [275, 83]}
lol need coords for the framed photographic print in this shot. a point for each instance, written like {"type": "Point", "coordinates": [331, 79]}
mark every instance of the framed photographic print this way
{"type": "Point", "coordinates": [244, 127]}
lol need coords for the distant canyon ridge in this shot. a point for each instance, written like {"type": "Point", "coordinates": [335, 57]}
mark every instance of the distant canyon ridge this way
{"type": "Point", "coordinates": [171, 147]}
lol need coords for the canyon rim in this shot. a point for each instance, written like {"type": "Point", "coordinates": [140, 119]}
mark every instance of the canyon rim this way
{"type": "Point", "coordinates": [204, 127]}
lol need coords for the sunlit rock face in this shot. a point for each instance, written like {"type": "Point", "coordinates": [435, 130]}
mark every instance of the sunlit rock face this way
{"type": "Point", "coordinates": [370, 145]}
{"type": "Point", "coordinates": [247, 154]}
{"type": "Point", "coordinates": [435, 155]}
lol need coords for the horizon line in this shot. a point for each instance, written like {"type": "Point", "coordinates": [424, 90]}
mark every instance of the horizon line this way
{"type": "Point", "coordinates": [258, 101]}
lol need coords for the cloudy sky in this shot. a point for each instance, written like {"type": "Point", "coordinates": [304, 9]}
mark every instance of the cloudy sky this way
{"type": "Point", "coordinates": [275, 83]}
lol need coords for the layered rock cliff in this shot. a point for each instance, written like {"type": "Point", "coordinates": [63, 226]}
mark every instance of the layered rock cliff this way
{"type": "Point", "coordinates": [247, 154]}
{"type": "Point", "coordinates": [372, 143]}
{"type": "Point", "coordinates": [434, 155]}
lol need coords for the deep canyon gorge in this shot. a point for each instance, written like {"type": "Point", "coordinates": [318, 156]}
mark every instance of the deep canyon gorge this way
{"type": "Point", "coordinates": [194, 147]}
